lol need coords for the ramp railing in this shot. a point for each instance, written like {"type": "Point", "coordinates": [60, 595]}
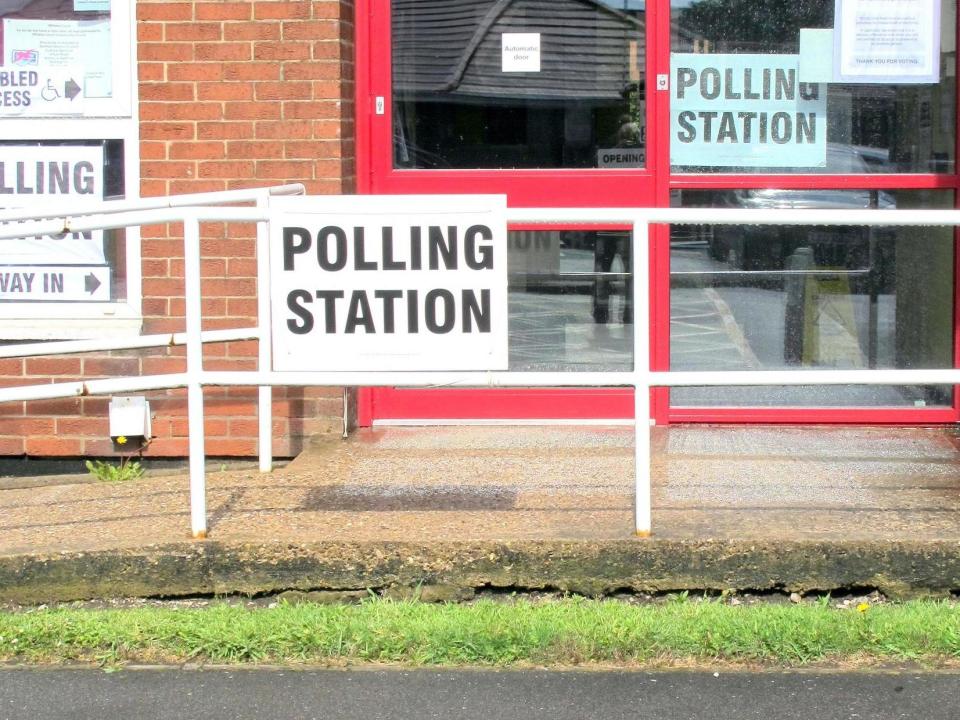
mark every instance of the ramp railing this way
{"type": "Point", "coordinates": [641, 377]}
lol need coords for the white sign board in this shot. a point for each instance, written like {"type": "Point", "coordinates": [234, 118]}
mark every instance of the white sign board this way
{"type": "Point", "coordinates": [55, 283]}
{"type": "Point", "coordinates": [887, 41]}
{"type": "Point", "coordinates": [42, 176]}
{"type": "Point", "coordinates": [521, 52]}
{"type": "Point", "coordinates": [389, 283]}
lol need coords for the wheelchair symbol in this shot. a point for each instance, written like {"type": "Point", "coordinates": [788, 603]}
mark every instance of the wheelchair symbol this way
{"type": "Point", "coordinates": [49, 93]}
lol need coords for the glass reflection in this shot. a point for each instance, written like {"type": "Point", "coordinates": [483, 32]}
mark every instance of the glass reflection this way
{"type": "Point", "coordinates": [573, 97]}
{"type": "Point", "coordinates": [780, 297]}
{"type": "Point", "coordinates": [570, 300]}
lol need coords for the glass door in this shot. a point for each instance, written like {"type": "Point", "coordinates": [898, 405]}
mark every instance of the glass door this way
{"type": "Point", "coordinates": [547, 103]}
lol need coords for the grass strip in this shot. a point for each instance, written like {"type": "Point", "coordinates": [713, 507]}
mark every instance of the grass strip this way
{"type": "Point", "coordinates": [560, 632]}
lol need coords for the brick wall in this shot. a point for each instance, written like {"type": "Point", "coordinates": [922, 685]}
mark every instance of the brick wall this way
{"type": "Point", "coordinates": [232, 95]}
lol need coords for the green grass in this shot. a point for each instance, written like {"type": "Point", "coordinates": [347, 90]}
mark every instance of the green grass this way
{"type": "Point", "coordinates": [562, 632]}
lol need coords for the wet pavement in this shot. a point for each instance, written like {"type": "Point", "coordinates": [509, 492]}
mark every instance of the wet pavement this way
{"type": "Point", "coordinates": [776, 486]}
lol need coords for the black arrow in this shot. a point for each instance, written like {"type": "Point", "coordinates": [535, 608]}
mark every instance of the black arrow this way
{"type": "Point", "coordinates": [90, 283]}
{"type": "Point", "coordinates": [71, 89]}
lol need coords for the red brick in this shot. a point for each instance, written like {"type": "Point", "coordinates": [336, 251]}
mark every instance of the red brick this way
{"type": "Point", "coordinates": [282, 130]}
{"type": "Point", "coordinates": [168, 447]}
{"type": "Point", "coordinates": [314, 30]}
{"type": "Point", "coordinates": [274, 51]}
{"type": "Point", "coordinates": [165, 52]}
{"type": "Point", "coordinates": [193, 31]}
{"type": "Point", "coordinates": [153, 306]}
{"type": "Point", "coordinates": [53, 446]}
{"type": "Point", "coordinates": [284, 91]}
{"type": "Point", "coordinates": [153, 151]}
{"type": "Point", "coordinates": [192, 72]}
{"type": "Point", "coordinates": [162, 248]}
{"type": "Point", "coordinates": [11, 446]}
{"type": "Point", "coordinates": [331, 9]}
{"type": "Point", "coordinates": [236, 51]}
{"type": "Point", "coordinates": [225, 169]}
{"type": "Point", "coordinates": [167, 92]}
{"type": "Point", "coordinates": [327, 168]}
{"type": "Point", "coordinates": [196, 186]}
{"type": "Point", "coordinates": [167, 131]}
{"type": "Point", "coordinates": [281, 10]}
{"type": "Point", "coordinates": [251, 71]}
{"type": "Point", "coordinates": [224, 11]}
{"type": "Point", "coordinates": [165, 11]}
{"type": "Point", "coordinates": [231, 448]}
{"type": "Point", "coordinates": [163, 365]}
{"type": "Point", "coordinates": [151, 72]}
{"type": "Point", "coordinates": [166, 169]}
{"type": "Point", "coordinates": [11, 366]}
{"type": "Point", "coordinates": [53, 366]}
{"type": "Point", "coordinates": [88, 425]}
{"type": "Point", "coordinates": [26, 426]}
{"type": "Point", "coordinates": [284, 169]}
{"type": "Point", "coordinates": [327, 50]}
{"type": "Point", "coordinates": [213, 267]}
{"type": "Point", "coordinates": [196, 150]}
{"type": "Point", "coordinates": [312, 149]}
{"type": "Point", "coordinates": [310, 110]}
{"type": "Point", "coordinates": [254, 150]}
{"type": "Point", "coordinates": [224, 130]}
{"type": "Point", "coordinates": [252, 110]}
{"type": "Point", "coordinates": [311, 71]}
{"type": "Point", "coordinates": [327, 90]}
{"type": "Point", "coordinates": [111, 367]}
{"type": "Point", "coordinates": [241, 267]}
{"type": "Point", "coordinates": [153, 188]}
{"type": "Point", "coordinates": [236, 230]}
{"type": "Point", "coordinates": [251, 31]}
{"type": "Point", "coordinates": [225, 91]}
{"type": "Point", "coordinates": [166, 111]}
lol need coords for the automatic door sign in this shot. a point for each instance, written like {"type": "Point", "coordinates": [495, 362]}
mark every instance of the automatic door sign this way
{"type": "Point", "coordinates": [389, 283]}
{"type": "Point", "coordinates": [745, 111]}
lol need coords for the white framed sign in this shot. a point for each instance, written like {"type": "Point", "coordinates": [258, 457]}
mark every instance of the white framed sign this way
{"type": "Point", "coordinates": [44, 175]}
{"type": "Point", "coordinates": [887, 41]}
{"type": "Point", "coordinates": [388, 283]}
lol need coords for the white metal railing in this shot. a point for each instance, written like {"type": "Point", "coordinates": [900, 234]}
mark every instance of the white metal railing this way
{"type": "Point", "coordinates": [641, 378]}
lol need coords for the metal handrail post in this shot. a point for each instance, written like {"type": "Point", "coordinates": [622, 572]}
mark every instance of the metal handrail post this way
{"type": "Point", "coordinates": [641, 374]}
{"type": "Point", "coordinates": [264, 359]}
{"type": "Point", "coordinates": [194, 326]}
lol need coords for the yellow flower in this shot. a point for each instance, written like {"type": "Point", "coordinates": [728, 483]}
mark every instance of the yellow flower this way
{"type": "Point", "coordinates": [863, 607]}
{"type": "Point", "coordinates": [122, 440]}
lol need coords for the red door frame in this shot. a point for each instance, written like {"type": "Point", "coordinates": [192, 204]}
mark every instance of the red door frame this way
{"type": "Point", "coordinates": [593, 188]}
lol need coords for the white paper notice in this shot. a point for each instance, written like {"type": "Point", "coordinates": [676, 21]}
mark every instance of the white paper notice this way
{"type": "Point", "coordinates": [63, 44]}
{"type": "Point", "coordinates": [31, 176]}
{"type": "Point", "coordinates": [521, 52]}
{"type": "Point", "coordinates": [887, 41]}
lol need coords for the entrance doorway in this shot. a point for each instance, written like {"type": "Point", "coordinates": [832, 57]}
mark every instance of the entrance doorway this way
{"type": "Point", "coordinates": [550, 104]}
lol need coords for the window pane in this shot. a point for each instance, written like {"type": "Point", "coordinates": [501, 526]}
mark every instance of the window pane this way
{"type": "Point", "coordinates": [526, 84]}
{"type": "Point", "coordinates": [870, 128]}
{"type": "Point", "coordinates": [772, 297]}
{"type": "Point", "coordinates": [570, 300]}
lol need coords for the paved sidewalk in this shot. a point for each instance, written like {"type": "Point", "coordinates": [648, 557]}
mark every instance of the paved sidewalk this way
{"type": "Point", "coordinates": [731, 505]}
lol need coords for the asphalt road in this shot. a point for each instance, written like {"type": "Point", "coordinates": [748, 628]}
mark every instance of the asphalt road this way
{"type": "Point", "coordinates": [490, 695]}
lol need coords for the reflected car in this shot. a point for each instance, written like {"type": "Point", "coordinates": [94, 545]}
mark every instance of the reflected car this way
{"type": "Point", "coordinates": [758, 248]}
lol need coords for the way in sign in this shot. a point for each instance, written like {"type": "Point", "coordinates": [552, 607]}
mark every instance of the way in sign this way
{"type": "Point", "coordinates": [60, 283]}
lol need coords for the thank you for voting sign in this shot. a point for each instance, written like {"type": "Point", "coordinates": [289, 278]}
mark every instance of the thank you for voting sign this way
{"type": "Point", "coordinates": [389, 283]}
{"type": "Point", "coordinates": [746, 110]}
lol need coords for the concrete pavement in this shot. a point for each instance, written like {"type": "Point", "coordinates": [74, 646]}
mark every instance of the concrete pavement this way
{"type": "Point", "coordinates": [749, 508]}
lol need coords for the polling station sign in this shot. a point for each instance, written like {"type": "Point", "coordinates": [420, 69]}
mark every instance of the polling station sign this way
{"type": "Point", "coordinates": [745, 110]}
{"type": "Point", "coordinates": [388, 283]}
{"type": "Point", "coordinates": [44, 176]}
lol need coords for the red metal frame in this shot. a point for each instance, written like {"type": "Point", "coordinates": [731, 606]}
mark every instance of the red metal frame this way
{"type": "Point", "coordinates": [591, 188]}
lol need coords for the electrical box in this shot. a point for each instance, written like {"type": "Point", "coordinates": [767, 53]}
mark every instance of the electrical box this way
{"type": "Point", "coordinates": [130, 419]}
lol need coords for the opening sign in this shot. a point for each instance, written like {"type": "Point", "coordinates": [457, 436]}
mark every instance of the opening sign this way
{"type": "Point", "coordinates": [389, 283]}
